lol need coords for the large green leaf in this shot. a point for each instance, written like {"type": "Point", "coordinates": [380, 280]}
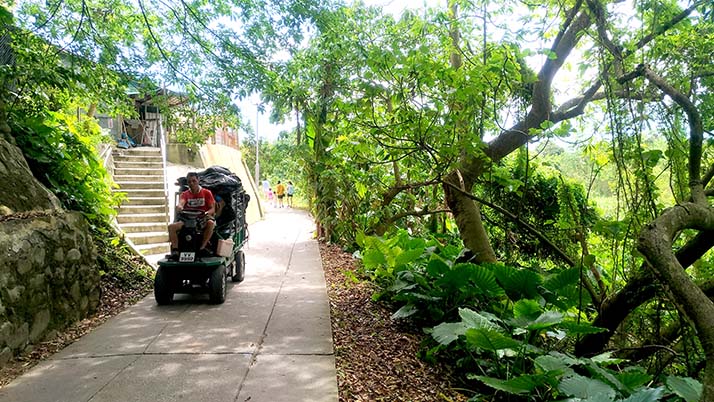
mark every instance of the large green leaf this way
{"type": "Point", "coordinates": [437, 267]}
{"type": "Point", "coordinates": [527, 308]}
{"type": "Point", "coordinates": [646, 395]}
{"type": "Point", "coordinates": [518, 283]}
{"type": "Point", "coordinates": [373, 258]}
{"type": "Point", "coordinates": [634, 377]}
{"type": "Point", "coordinates": [546, 320]}
{"type": "Point", "coordinates": [585, 388]}
{"type": "Point", "coordinates": [473, 319]}
{"type": "Point", "coordinates": [456, 280]}
{"type": "Point", "coordinates": [448, 332]}
{"type": "Point", "coordinates": [405, 311]}
{"type": "Point", "coordinates": [687, 388]}
{"type": "Point", "coordinates": [490, 339]}
{"type": "Point", "coordinates": [555, 361]}
{"type": "Point", "coordinates": [408, 256]}
{"type": "Point", "coordinates": [523, 384]}
{"type": "Point", "coordinates": [483, 279]}
{"type": "Point", "coordinates": [562, 279]}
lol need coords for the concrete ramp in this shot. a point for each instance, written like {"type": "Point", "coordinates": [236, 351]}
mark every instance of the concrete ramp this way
{"type": "Point", "coordinates": [231, 158]}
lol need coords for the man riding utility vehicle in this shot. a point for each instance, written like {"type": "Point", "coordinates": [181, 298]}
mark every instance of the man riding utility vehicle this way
{"type": "Point", "coordinates": [199, 199]}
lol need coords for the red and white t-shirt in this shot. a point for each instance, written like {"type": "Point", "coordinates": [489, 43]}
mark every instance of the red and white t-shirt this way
{"type": "Point", "coordinates": [201, 201]}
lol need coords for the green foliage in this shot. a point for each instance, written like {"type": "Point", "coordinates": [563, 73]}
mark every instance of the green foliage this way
{"type": "Point", "coordinates": [61, 152]}
{"type": "Point", "coordinates": [120, 266]}
{"type": "Point", "coordinates": [44, 89]}
{"type": "Point", "coordinates": [539, 196]}
{"type": "Point", "coordinates": [512, 326]}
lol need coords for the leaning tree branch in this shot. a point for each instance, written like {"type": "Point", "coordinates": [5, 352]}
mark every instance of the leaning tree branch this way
{"type": "Point", "coordinates": [389, 196]}
{"type": "Point", "coordinates": [425, 212]}
{"type": "Point", "coordinates": [576, 109]}
{"type": "Point", "coordinates": [640, 288]}
{"type": "Point", "coordinates": [536, 233]}
{"type": "Point", "coordinates": [655, 244]}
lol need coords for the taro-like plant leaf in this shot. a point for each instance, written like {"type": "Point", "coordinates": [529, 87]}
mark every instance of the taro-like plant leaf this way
{"type": "Point", "coordinates": [526, 308]}
{"type": "Point", "coordinates": [555, 361]}
{"type": "Point", "coordinates": [546, 320]}
{"type": "Point", "coordinates": [404, 312]}
{"type": "Point", "coordinates": [490, 339]}
{"type": "Point", "coordinates": [436, 266]}
{"type": "Point", "coordinates": [634, 377]}
{"type": "Point", "coordinates": [483, 279]}
{"type": "Point", "coordinates": [518, 283]}
{"type": "Point", "coordinates": [448, 332]}
{"type": "Point", "coordinates": [518, 385]}
{"type": "Point", "coordinates": [646, 395]}
{"type": "Point", "coordinates": [687, 388]}
{"type": "Point", "coordinates": [373, 258]}
{"type": "Point", "coordinates": [586, 388]}
{"type": "Point", "coordinates": [404, 281]}
{"type": "Point", "coordinates": [605, 375]}
{"type": "Point", "coordinates": [562, 279]}
{"type": "Point", "coordinates": [408, 256]}
{"type": "Point", "coordinates": [472, 319]}
{"type": "Point", "coordinates": [456, 279]}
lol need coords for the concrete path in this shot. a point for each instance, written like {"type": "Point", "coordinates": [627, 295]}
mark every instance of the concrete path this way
{"type": "Point", "coordinates": [269, 342]}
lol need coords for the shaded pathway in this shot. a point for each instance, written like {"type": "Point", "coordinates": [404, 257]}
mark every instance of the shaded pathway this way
{"type": "Point", "coordinates": [269, 342]}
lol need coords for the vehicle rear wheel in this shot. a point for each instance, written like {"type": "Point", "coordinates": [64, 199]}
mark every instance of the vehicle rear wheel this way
{"type": "Point", "coordinates": [163, 292]}
{"type": "Point", "coordinates": [238, 267]}
{"type": "Point", "coordinates": [217, 285]}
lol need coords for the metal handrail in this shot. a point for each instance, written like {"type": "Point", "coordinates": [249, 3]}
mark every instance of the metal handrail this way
{"type": "Point", "coordinates": [162, 145]}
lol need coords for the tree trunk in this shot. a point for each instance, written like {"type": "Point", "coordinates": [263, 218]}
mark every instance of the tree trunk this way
{"type": "Point", "coordinates": [655, 243]}
{"type": "Point", "coordinates": [641, 288]}
{"type": "Point", "coordinates": [467, 214]}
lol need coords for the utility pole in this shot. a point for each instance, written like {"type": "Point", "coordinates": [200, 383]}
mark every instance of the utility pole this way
{"type": "Point", "coordinates": [257, 146]}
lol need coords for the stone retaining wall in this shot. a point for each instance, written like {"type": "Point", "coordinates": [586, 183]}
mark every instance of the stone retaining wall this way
{"type": "Point", "coordinates": [48, 278]}
{"type": "Point", "coordinates": [48, 273]}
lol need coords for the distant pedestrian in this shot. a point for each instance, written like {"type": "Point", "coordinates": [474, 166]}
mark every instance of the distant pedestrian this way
{"type": "Point", "coordinates": [280, 192]}
{"type": "Point", "coordinates": [291, 191]}
{"type": "Point", "coordinates": [271, 198]}
{"type": "Point", "coordinates": [266, 187]}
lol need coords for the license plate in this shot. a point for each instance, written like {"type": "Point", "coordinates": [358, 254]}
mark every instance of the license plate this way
{"type": "Point", "coordinates": [187, 257]}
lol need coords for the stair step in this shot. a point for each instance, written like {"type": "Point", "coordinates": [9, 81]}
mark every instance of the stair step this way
{"type": "Point", "coordinates": [158, 248]}
{"type": "Point", "coordinates": [140, 185]}
{"type": "Point", "coordinates": [138, 172]}
{"type": "Point", "coordinates": [144, 201]}
{"type": "Point", "coordinates": [141, 218]}
{"type": "Point", "coordinates": [138, 165]}
{"type": "Point", "coordinates": [139, 151]}
{"type": "Point", "coordinates": [137, 158]}
{"type": "Point", "coordinates": [154, 178]}
{"type": "Point", "coordinates": [143, 209]}
{"type": "Point", "coordinates": [140, 193]}
{"type": "Point", "coordinates": [144, 227]}
{"type": "Point", "coordinates": [148, 237]}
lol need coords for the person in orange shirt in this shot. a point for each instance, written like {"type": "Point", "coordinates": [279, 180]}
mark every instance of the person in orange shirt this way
{"type": "Point", "coordinates": [280, 192]}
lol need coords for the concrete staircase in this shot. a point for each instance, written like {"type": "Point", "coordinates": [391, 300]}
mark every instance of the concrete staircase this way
{"type": "Point", "coordinates": [143, 216]}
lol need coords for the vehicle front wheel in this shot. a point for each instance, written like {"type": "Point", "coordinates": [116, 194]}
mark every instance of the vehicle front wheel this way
{"type": "Point", "coordinates": [163, 292]}
{"type": "Point", "coordinates": [217, 285]}
{"type": "Point", "coordinates": [238, 267]}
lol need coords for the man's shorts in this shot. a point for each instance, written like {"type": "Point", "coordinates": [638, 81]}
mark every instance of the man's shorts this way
{"type": "Point", "coordinates": [280, 196]}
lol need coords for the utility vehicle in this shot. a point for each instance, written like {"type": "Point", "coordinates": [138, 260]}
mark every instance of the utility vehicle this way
{"type": "Point", "coordinates": [191, 272]}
